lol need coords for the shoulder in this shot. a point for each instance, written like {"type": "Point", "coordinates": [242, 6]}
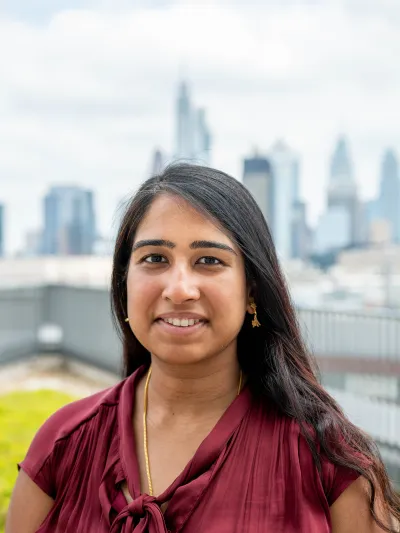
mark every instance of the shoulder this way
{"type": "Point", "coordinates": [352, 511]}
{"type": "Point", "coordinates": [330, 479]}
{"type": "Point", "coordinates": [57, 436]}
{"type": "Point", "coordinates": [65, 421]}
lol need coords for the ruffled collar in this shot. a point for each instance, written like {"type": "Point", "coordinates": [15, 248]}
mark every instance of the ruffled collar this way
{"type": "Point", "coordinates": [143, 514]}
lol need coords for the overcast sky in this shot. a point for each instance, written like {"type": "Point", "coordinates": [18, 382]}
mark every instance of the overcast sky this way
{"type": "Point", "coordinates": [88, 89]}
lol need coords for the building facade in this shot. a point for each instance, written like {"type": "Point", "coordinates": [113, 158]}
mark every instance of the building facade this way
{"type": "Point", "coordinates": [389, 194]}
{"type": "Point", "coordinates": [69, 221]}
{"type": "Point", "coordinates": [342, 191]}
{"type": "Point", "coordinates": [285, 170]}
{"type": "Point", "coordinates": [184, 132]}
{"type": "Point", "coordinates": [193, 137]}
{"type": "Point", "coordinates": [1, 230]}
{"type": "Point", "coordinates": [301, 234]}
{"type": "Point", "coordinates": [333, 231]}
{"type": "Point", "coordinates": [157, 162]}
{"type": "Point", "coordinates": [258, 179]}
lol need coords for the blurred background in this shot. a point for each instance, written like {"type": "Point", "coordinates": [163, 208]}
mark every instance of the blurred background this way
{"type": "Point", "coordinates": [297, 99]}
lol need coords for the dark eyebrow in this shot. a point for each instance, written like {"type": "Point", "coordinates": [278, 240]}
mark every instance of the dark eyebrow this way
{"type": "Point", "coordinates": [194, 246]}
{"type": "Point", "coordinates": [153, 242]}
{"type": "Point", "coordinates": [211, 244]}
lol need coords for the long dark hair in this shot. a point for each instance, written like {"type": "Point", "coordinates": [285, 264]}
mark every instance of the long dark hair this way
{"type": "Point", "coordinates": [279, 367]}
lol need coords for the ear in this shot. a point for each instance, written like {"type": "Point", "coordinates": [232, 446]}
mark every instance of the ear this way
{"type": "Point", "coordinates": [250, 300]}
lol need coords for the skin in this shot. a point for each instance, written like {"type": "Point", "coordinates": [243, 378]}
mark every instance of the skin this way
{"type": "Point", "coordinates": [194, 377]}
{"type": "Point", "coordinates": [181, 279]}
{"type": "Point", "coordinates": [350, 512]}
{"type": "Point", "coordinates": [32, 501]}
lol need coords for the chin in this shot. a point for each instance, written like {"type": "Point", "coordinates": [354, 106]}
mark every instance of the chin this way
{"type": "Point", "coordinates": [179, 356]}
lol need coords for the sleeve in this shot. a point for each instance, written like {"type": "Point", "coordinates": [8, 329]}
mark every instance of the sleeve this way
{"type": "Point", "coordinates": [336, 479]}
{"type": "Point", "coordinates": [38, 463]}
{"type": "Point", "coordinates": [48, 452]}
{"type": "Point", "coordinates": [333, 479]}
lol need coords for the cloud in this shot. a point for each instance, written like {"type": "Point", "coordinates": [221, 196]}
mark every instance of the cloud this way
{"type": "Point", "coordinates": [87, 91]}
{"type": "Point", "coordinates": [37, 12]}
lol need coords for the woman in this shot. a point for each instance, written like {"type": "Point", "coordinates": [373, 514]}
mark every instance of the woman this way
{"type": "Point", "coordinates": [221, 424]}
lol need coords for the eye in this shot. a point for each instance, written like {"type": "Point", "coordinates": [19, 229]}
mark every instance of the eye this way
{"type": "Point", "coordinates": [153, 259]}
{"type": "Point", "coordinates": [209, 260]}
{"type": "Point", "coordinates": [148, 259]}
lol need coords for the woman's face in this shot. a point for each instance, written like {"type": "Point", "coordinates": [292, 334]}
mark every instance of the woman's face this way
{"type": "Point", "coordinates": [186, 285]}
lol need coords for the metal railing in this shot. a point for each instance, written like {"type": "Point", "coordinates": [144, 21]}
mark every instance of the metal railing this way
{"type": "Point", "coordinates": [356, 334]}
{"type": "Point", "coordinates": [84, 317]}
{"type": "Point", "coordinates": [367, 345]}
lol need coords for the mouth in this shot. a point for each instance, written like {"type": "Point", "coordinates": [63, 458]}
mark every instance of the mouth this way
{"type": "Point", "coordinates": [181, 326]}
{"type": "Point", "coordinates": [181, 323]}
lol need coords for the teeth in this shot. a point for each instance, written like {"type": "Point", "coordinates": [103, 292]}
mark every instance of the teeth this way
{"type": "Point", "coordinates": [183, 323]}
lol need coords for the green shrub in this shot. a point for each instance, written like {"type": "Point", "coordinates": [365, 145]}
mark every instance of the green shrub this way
{"type": "Point", "coordinates": [21, 415]}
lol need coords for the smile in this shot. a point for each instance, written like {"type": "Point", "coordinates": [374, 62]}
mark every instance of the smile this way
{"type": "Point", "coordinates": [184, 326]}
{"type": "Point", "coordinates": [182, 323]}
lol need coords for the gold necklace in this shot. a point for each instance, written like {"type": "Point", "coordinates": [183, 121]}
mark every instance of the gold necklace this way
{"type": "Point", "coordinates": [145, 439]}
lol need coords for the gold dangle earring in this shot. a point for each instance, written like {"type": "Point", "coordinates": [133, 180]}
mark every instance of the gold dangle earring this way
{"type": "Point", "coordinates": [255, 323]}
{"type": "Point", "coordinates": [126, 319]}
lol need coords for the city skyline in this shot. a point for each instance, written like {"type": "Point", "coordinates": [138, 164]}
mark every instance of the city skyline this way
{"type": "Point", "coordinates": [273, 178]}
{"type": "Point", "coordinates": [73, 114]}
{"type": "Point", "coordinates": [276, 175]}
{"type": "Point", "coordinates": [347, 222]}
{"type": "Point", "coordinates": [69, 225]}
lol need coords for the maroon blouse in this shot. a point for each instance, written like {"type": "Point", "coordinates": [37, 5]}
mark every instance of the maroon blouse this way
{"type": "Point", "coordinates": [253, 473]}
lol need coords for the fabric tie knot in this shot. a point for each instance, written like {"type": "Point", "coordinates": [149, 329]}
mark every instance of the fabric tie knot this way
{"type": "Point", "coordinates": [142, 515]}
{"type": "Point", "coordinates": [139, 506]}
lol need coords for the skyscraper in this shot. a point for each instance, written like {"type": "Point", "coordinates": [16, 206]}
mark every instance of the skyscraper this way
{"type": "Point", "coordinates": [184, 139]}
{"type": "Point", "coordinates": [258, 179]}
{"type": "Point", "coordinates": [342, 190]}
{"type": "Point", "coordinates": [1, 230]}
{"type": "Point", "coordinates": [193, 138]}
{"type": "Point", "coordinates": [202, 137]}
{"type": "Point", "coordinates": [285, 170]}
{"type": "Point", "coordinates": [333, 230]}
{"type": "Point", "coordinates": [341, 170]}
{"type": "Point", "coordinates": [69, 221]}
{"type": "Point", "coordinates": [389, 196]}
{"type": "Point", "coordinates": [301, 235]}
{"type": "Point", "coordinates": [157, 162]}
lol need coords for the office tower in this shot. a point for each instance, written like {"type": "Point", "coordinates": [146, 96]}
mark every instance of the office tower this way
{"type": "Point", "coordinates": [157, 162]}
{"type": "Point", "coordinates": [301, 238]}
{"type": "Point", "coordinates": [1, 230]}
{"type": "Point", "coordinates": [33, 243]}
{"type": "Point", "coordinates": [201, 137]}
{"type": "Point", "coordinates": [389, 195]}
{"type": "Point", "coordinates": [341, 168]}
{"type": "Point", "coordinates": [69, 221]}
{"type": "Point", "coordinates": [193, 137]}
{"type": "Point", "coordinates": [285, 171]}
{"type": "Point", "coordinates": [342, 191]}
{"type": "Point", "coordinates": [372, 211]}
{"type": "Point", "coordinates": [333, 231]}
{"type": "Point", "coordinates": [184, 139]}
{"type": "Point", "coordinates": [258, 179]}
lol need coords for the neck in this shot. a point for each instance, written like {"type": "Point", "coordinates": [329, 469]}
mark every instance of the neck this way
{"type": "Point", "coordinates": [192, 390]}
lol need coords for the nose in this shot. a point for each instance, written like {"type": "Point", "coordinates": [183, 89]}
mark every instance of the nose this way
{"type": "Point", "coordinates": [181, 286]}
